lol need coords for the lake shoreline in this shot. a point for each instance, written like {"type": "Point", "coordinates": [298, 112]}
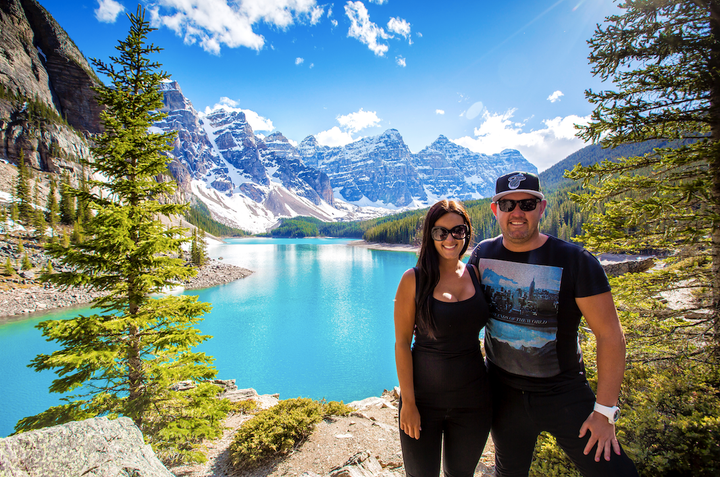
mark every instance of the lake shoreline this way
{"type": "Point", "coordinates": [27, 300]}
{"type": "Point", "coordinates": [389, 247]}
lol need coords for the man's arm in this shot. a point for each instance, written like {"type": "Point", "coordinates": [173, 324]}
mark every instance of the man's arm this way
{"type": "Point", "coordinates": [602, 317]}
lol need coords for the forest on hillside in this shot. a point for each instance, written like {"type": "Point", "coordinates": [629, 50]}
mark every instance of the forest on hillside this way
{"type": "Point", "coordinates": [563, 218]}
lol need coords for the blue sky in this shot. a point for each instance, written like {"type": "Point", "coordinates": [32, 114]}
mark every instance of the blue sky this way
{"type": "Point", "coordinates": [487, 74]}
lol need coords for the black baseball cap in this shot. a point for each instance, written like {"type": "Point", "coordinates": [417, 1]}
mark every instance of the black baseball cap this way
{"type": "Point", "coordinates": [517, 182]}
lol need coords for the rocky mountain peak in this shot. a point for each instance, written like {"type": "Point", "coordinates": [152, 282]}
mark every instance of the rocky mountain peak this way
{"type": "Point", "coordinates": [276, 137]}
{"type": "Point", "coordinates": [392, 135]}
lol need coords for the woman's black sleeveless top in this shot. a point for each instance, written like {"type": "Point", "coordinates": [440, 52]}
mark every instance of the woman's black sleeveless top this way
{"type": "Point", "coordinates": [449, 371]}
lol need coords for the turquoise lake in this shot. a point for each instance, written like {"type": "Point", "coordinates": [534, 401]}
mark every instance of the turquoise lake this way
{"type": "Point", "coordinates": [315, 319]}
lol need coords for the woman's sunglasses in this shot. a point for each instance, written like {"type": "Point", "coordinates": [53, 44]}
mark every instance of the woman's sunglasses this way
{"type": "Point", "coordinates": [459, 232]}
{"type": "Point", "coordinates": [526, 205]}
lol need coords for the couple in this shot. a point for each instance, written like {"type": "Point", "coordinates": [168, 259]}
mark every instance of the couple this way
{"type": "Point", "coordinates": [529, 290]}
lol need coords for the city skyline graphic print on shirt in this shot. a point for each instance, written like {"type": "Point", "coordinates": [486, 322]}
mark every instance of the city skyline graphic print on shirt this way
{"type": "Point", "coordinates": [521, 334]}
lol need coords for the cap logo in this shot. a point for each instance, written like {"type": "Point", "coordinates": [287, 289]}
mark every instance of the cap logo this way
{"type": "Point", "coordinates": [514, 181]}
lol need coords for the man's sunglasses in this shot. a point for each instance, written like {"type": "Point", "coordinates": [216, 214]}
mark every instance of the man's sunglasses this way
{"type": "Point", "coordinates": [526, 205]}
{"type": "Point", "coordinates": [459, 232]}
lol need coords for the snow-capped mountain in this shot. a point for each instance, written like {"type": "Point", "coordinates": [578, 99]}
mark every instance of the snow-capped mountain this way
{"type": "Point", "coordinates": [249, 181]}
{"type": "Point", "coordinates": [245, 181]}
{"type": "Point", "coordinates": [450, 170]}
{"type": "Point", "coordinates": [381, 171]}
{"type": "Point", "coordinates": [375, 171]}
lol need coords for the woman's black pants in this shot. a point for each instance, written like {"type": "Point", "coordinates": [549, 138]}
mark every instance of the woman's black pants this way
{"type": "Point", "coordinates": [458, 434]}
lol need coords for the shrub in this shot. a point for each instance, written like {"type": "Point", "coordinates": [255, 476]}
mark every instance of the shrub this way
{"type": "Point", "coordinates": [247, 406]}
{"type": "Point", "coordinates": [335, 408]}
{"type": "Point", "coordinates": [550, 460]}
{"type": "Point", "coordinates": [274, 431]}
{"type": "Point", "coordinates": [671, 420]}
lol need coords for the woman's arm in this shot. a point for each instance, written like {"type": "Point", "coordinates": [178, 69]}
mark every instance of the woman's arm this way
{"type": "Point", "coordinates": [404, 327]}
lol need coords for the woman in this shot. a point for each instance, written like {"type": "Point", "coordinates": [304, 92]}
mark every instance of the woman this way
{"type": "Point", "coordinates": [443, 381]}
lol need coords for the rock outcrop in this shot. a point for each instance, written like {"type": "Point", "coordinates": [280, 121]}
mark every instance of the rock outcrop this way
{"type": "Point", "coordinates": [617, 268]}
{"type": "Point", "coordinates": [94, 447]}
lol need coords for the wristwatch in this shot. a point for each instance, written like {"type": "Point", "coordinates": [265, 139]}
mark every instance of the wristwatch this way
{"type": "Point", "coordinates": [612, 413]}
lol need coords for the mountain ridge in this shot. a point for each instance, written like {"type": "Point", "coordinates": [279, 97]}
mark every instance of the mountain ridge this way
{"type": "Point", "coordinates": [252, 181]}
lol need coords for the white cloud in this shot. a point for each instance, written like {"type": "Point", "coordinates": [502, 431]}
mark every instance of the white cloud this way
{"type": "Point", "coordinates": [108, 11]}
{"type": "Point", "coordinates": [355, 122]}
{"type": "Point", "coordinates": [334, 22]}
{"type": "Point", "coordinates": [399, 26]}
{"type": "Point", "coordinates": [379, 2]}
{"type": "Point", "coordinates": [257, 122]}
{"type": "Point", "coordinates": [439, 111]}
{"type": "Point", "coordinates": [316, 14]}
{"type": "Point", "coordinates": [214, 23]}
{"type": "Point", "coordinates": [334, 137]}
{"type": "Point", "coordinates": [299, 61]}
{"type": "Point", "coordinates": [401, 61]}
{"type": "Point", "coordinates": [555, 96]}
{"type": "Point", "coordinates": [349, 124]}
{"type": "Point", "coordinates": [363, 29]}
{"type": "Point", "coordinates": [543, 147]}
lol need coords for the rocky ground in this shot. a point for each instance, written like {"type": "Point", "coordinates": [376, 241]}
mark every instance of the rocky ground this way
{"type": "Point", "coordinates": [364, 444]}
{"type": "Point", "coordinates": [22, 294]}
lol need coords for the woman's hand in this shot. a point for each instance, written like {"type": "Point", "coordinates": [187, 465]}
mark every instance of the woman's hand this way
{"type": "Point", "coordinates": [410, 420]}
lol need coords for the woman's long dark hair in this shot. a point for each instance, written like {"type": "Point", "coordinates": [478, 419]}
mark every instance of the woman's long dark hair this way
{"type": "Point", "coordinates": [428, 264]}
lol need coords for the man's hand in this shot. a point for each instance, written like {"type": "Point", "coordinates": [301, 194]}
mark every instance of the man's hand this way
{"type": "Point", "coordinates": [410, 420]}
{"type": "Point", "coordinates": [602, 433]}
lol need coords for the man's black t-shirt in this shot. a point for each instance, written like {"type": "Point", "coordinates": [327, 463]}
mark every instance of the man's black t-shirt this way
{"type": "Point", "coordinates": [531, 338]}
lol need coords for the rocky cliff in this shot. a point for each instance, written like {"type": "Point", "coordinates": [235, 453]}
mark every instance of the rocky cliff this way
{"type": "Point", "coordinates": [47, 104]}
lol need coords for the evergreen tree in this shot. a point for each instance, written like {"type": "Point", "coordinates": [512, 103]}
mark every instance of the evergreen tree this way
{"type": "Point", "coordinates": [22, 191]}
{"type": "Point", "coordinates": [53, 208]}
{"type": "Point", "coordinates": [39, 223]}
{"type": "Point", "coordinates": [14, 213]}
{"type": "Point", "coordinates": [83, 210]}
{"type": "Point", "coordinates": [125, 359]}
{"type": "Point", "coordinates": [77, 233]}
{"type": "Point", "coordinates": [67, 201]}
{"type": "Point", "coordinates": [198, 248]}
{"type": "Point", "coordinates": [9, 270]}
{"type": "Point", "coordinates": [662, 56]}
{"type": "Point", "coordinates": [26, 263]}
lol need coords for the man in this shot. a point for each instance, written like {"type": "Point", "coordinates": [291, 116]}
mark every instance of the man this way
{"type": "Point", "coordinates": [538, 288]}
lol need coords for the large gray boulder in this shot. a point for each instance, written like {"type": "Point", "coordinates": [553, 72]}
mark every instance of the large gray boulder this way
{"type": "Point", "coordinates": [97, 447]}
